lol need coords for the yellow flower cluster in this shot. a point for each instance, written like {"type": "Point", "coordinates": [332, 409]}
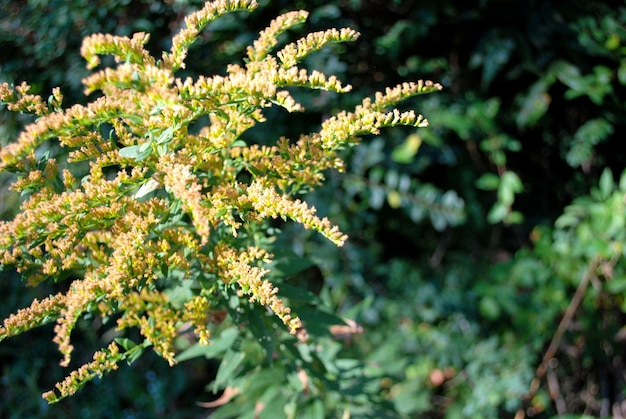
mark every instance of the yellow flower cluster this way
{"type": "Point", "coordinates": [160, 204]}
{"type": "Point", "coordinates": [195, 23]}
{"type": "Point", "coordinates": [122, 48]}
{"type": "Point", "coordinates": [294, 52]}
{"type": "Point", "coordinates": [291, 166]}
{"type": "Point", "coordinates": [370, 116]}
{"type": "Point", "coordinates": [103, 361]}
{"type": "Point", "coordinates": [156, 320]}
{"type": "Point", "coordinates": [128, 266]}
{"type": "Point", "coordinates": [198, 313]}
{"type": "Point", "coordinates": [268, 38]}
{"type": "Point", "coordinates": [21, 101]}
{"type": "Point", "coordinates": [267, 203]}
{"type": "Point", "coordinates": [235, 266]}
{"type": "Point", "coordinates": [183, 185]}
{"type": "Point", "coordinates": [28, 318]}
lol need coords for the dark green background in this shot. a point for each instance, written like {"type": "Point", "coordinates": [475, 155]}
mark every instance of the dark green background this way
{"type": "Point", "coordinates": [533, 87]}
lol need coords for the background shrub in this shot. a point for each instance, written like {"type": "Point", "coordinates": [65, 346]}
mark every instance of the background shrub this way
{"type": "Point", "coordinates": [465, 255]}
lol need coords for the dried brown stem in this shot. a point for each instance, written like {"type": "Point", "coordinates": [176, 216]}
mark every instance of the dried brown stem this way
{"type": "Point", "coordinates": [590, 275]}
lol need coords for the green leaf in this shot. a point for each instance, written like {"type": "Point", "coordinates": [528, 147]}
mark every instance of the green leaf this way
{"type": "Point", "coordinates": [607, 184]}
{"type": "Point", "coordinates": [235, 410]}
{"type": "Point", "coordinates": [180, 293]}
{"type": "Point", "coordinates": [274, 401]}
{"type": "Point", "coordinates": [231, 361]}
{"type": "Point", "coordinates": [134, 354]}
{"type": "Point", "coordinates": [157, 109]}
{"type": "Point", "coordinates": [566, 220]}
{"type": "Point", "coordinates": [294, 381]}
{"type": "Point", "coordinates": [622, 182]}
{"type": "Point", "coordinates": [497, 213]}
{"type": "Point", "coordinates": [125, 343]}
{"type": "Point", "coordinates": [595, 130]}
{"type": "Point", "coordinates": [394, 199]}
{"type": "Point", "coordinates": [536, 103]}
{"type": "Point", "coordinates": [146, 188]}
{"type": "Point", "coordinates": [136, 152]}
{"type": "Point", "coordinates": [510, 184]}
{"type": "Point", "coordinates": [313, 410]}
{"type": "Point", "coordinates": [133, 350]}
{"type": "Point", "coordinates": [569, 75]}
{"type": "Point", "coordinates": [130, 152]}
{"type": "Point", "coordinates": [514, 217]}
{"type": "Point", "coordinates": [488, 182]}
{"type": "Point", "coordinates": [406, 151]}
{"type": "Point", "coordinates": [260, 380]}
{"type": "Point", "coordinates": [621, 73]}
{"type": "Point", "coordinates": [294, 293]}
{"type": "Point", "coordinates": [162, 149]}
{"type": "Point", "coordinates": [287, 263]}
{"type": "Point", "coordinates": [377, 197]}
{"type": "Point", "coordinates": [166, 136]}
{"type": "Point", "coordinates": [318, 322]}
{"type": "Point", "coordinates": [493, 55]}
{"type": "Point", "coordinates": [142, 148]}
{"type": "Point", "coordinates": [587, 136]}
{"type": "Point", "coordinates": [213, 349]}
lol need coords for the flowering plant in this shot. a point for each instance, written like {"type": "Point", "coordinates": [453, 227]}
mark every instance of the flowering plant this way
{"type": "Point", "coordinates": [157, 217]}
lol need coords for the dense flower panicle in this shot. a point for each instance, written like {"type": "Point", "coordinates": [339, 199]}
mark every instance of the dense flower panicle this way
{"type": "Point", "coordinates": [156, 320]}
{"type": "Point", "coordinates": [290, 166]}
{"type": "Point", "coordinates": [294, 52]}
{"type": "Point", "coordinates": [235, 266]}
{"type": "Point", "coordinates": [159, 202]}
{"type": "Point", "coordinates": [195, 23]}
{"type": "Point", "coordinates": [370, 116]}
{"type": "Point", "coordinates": [82, 293]}
{"type": "Point", "coordinates": [103, 361]}
{"type": "Point", "coordinates": [58, 221]}
{"type": "Point", "coordinates": [198, 313]}
{"type": "Point", "coordinates": [127, 76]}
{"type": "Point", "coordinates": [295, 76]}
{"type": "Point", "coordinates": [128, 266]}
{"type": "Point", "coordinates": [268, 203]}
{"type": "Point", "coordinates": [7, 95]}
{"type": "Point", "coordinates": [267, 39]}
{"type": "Point", "coordinates": [21, 101]}
{"type": "Point", "coordinates": [184, 185]}
{"type": "Point", "coordinates": [37, 179]}
{"type": "Point", "coordinates": [69, 126]}
{"type": "Point", "coordinates": [102, 153]}
{"type": "Point", "coordinates": [122, 48]}
{"type": "Point", "coordinates": [39, 312]}
{"type": "Point", "coordinates": [393, 96]}
{"type": "Point", "coordinates": [214, 9]}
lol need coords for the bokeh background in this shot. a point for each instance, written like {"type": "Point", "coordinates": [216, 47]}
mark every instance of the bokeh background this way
{"type": "Point", "coordinates": [464, 254]}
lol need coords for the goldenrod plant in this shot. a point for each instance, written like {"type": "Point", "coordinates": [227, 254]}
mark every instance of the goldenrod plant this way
{"type": "Point", "coordinates": [155, 207]}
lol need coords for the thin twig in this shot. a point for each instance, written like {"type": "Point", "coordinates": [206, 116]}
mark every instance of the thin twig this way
{"type": "Point", "coordinates": [555, 391]}
{"type": "Point", "coordinates": [590, 274]}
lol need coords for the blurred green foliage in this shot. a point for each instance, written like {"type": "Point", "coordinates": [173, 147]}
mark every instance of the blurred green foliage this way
{"type": "Point", "coordinates": [468, 240]}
